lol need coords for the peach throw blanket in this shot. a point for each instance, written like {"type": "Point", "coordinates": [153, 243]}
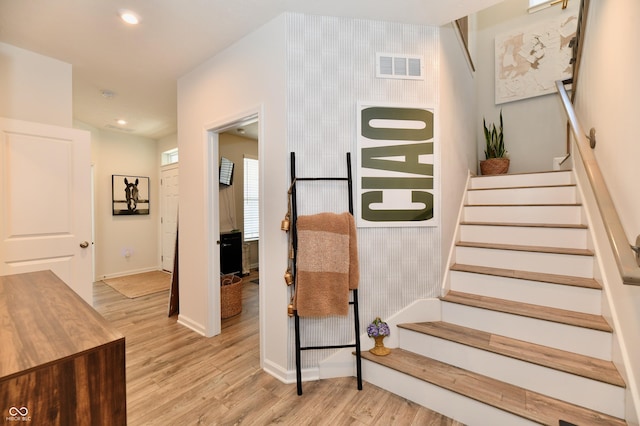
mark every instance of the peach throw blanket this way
{"type": "Point", "coordinates": [326, 264]}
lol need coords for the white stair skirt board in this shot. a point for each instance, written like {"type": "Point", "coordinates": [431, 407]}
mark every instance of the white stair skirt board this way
{"type": "Point", "coordinates": [551, 263]}
{"type": "Point", "coordinates": [580, 340]}
{"type": "Point", "coordinates": [450, 404]}
{"type": "Point", "coordinates": [527, 179]}
{"type": "Point", "coordinates": [587, 300]}
{"type": "Point", "coordinates": [551, 214]}
{"type": "Point", "coordinates": [542, 195]}
{"type": "Point", "coordinates": [534, 236]}
{"type": "Point", "coordinates": [568, 387]}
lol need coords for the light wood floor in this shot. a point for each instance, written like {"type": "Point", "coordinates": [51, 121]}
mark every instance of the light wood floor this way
{"type": "Point", "coordinates": [175, 376]}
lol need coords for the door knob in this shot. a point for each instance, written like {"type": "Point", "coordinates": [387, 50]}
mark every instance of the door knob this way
{"type": "Point", "coordinates": [84, 244]}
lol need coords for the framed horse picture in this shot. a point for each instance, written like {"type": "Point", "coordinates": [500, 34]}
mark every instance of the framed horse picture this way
{"type": "Point", "coordinates": [130, 195]}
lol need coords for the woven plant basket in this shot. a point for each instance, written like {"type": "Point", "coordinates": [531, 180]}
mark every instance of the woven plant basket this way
{"type": "Point", "coordinates": [230, 295]}
{"type": "Point", "coordinates": [494, 166]}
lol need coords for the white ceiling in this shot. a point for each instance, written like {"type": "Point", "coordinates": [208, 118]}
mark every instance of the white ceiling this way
{"type": "Point", "coordinates": [142, 63]}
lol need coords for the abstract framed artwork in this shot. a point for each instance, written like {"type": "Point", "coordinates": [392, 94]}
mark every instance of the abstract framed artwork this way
{"type": "Point", "coordinates": [130, 195]}
{"type": "Point", "coordinates": [529, 60]}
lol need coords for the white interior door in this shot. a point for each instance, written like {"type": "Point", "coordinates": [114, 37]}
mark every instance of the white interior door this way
{"type": "Point", "coordinates": [169, 197]}
{"type": "Point", "coordinates": [45, 196]}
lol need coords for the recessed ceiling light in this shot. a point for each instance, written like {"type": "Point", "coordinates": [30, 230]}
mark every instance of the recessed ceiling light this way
{"type": "Point", "coordinates": [129, 17]}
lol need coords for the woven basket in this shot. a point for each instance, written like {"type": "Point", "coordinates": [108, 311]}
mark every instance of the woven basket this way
{"type": "Point", "coordinates": [494, 166]}
{"type": "Point", "coordinates": [230, 295]}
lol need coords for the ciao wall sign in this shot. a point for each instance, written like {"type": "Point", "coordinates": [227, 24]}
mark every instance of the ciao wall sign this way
{"type": "Point", "coordinates": [396, 171]}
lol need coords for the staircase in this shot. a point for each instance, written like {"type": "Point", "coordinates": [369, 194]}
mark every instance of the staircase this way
{"type": "Point", "coordinates": [521, 338]}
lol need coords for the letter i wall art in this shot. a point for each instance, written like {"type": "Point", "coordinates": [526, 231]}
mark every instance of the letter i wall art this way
{"type": "Point", "coordinates": [397, 174]}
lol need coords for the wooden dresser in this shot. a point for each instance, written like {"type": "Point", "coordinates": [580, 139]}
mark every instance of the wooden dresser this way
{"type": "Point", "coordinates": [61, 363]}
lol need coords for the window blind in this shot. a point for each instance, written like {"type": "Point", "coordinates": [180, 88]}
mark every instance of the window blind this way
{"type": "Point", "coordinates": [251, 199]}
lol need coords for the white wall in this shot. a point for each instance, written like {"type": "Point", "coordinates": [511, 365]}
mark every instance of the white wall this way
{"type": "Point", "coordinates": [123, 154]}
{"type": "Point", "coordinates": [34, 87]}
{"type": "Point", "coordinates": [607, 100]}
{"type": "Point", "coordinates": [331, 69]}
{"type": "Point", "coordinates": [247, 77]}
{"type": "Point", "coordinates": [457, 130]}
{"type": "Point", "coordinates": [534, 128]}
{"type": "Point", "coordinates": [397, 265]}
{"type": "Point", "coordinates": [166, 143]}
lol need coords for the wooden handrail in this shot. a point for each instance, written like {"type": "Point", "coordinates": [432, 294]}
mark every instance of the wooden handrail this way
{"type": "Point", "coordinates": [626, 258]}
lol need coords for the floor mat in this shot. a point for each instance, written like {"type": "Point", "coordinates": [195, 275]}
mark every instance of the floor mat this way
{"type": "Point", "coordinates": [139, 285]}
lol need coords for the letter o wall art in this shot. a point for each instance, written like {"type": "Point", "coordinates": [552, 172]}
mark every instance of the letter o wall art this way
{"type": "Point", "coordinates": [130, 195]}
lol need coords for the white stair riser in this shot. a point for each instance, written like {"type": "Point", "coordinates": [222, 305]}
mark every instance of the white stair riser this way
{"type": "Point", "coordinates": [580, 340]}
{"type": "Point", "coordinates": [533, 179]}
{"type": "Point", "coordinates": [578, 390]}
{"type": "Point", "coordinates": [521, 235]}
{"type": "Point", "coordinates": [565, 215]}
{"type": "Point", "coordinates": [551, 263]}
{"type": "Point", "coordinates": [450, 404]}
{"type": "Point", "coordinates": [577, 299]}
{"type": "Point", "coordinates": [546, 195]}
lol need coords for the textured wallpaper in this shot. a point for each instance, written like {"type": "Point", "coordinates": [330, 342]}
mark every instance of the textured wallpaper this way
{"type": "Point", "coordinates": [331, 67]}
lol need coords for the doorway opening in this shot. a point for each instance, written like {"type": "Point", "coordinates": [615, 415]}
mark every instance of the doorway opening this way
{"type": "Point", "coordinates": [234, 214]}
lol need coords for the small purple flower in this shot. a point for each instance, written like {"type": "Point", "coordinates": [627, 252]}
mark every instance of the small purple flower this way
{"type": "Point", "coordinates": [383, 329]}
{"type": "Point", "coordinates": [372, 330]}
{"type": "Point", "coordinates": [378, 328]}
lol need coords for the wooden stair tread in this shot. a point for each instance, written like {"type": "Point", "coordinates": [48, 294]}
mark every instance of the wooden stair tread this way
{"type": "Point", "coordinates": [569, 362]}
{"type": "Point", "coordinates": [541, 172]}
{"type": "Point", "coordinates": [562, 316]}
{"type": "Point", "coordinates": [536, 249]}
{"type": "Point", "coordinates": [526, 224]}
{"type": "Point", "coordinates": [513, 399]}
{"type": "Point", "coordinates": [562, 185]}
{"type": "Point", "coordinates": [531, 276]}
{"type": "Point", "coordinates": [526, 205]}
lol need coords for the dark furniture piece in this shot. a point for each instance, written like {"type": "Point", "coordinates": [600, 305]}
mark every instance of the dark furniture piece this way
{"type": "Point", "coordinates": [231, 253]}
{"type": "Point", "coordinates": [61, 363]}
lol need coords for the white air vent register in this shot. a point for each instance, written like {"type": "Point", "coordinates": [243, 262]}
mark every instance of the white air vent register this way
{"type": "Point", "coordinates": [399, 66]}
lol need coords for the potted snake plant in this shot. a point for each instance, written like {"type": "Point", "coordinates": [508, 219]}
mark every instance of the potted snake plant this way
{"type": "Point", "coordinates": [496, 156]}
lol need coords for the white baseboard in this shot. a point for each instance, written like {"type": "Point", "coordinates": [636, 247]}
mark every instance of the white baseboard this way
{"type": "Point", "coordinates": [289, 376]}
{"type": "Point", "coordinates": [192, 325]}
{"type": "Point", "coordinates": [276, 371]}
{"type": "Point", "coordinates": [130, 272]}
